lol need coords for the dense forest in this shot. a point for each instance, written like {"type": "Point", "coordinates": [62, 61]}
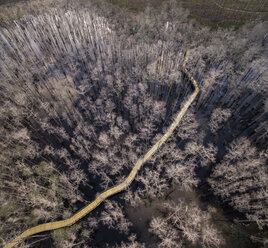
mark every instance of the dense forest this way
{"type": "Point", "coordinates": [86, 89]}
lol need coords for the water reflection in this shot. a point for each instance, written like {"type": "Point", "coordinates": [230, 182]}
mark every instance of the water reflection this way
{"type": "Point", "coordinates": [235, 234]}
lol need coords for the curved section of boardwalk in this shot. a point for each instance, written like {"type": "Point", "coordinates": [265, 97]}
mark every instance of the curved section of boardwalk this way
{"type": "Point", "coordinates": [124, 184]}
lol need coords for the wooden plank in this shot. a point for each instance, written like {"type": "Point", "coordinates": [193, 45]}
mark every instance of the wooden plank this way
{"type": "Point", "coordinates": [76, 217]}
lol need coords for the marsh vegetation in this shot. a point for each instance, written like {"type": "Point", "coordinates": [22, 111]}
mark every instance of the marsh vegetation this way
{"type": "Point", "coordinates": [86, 90]}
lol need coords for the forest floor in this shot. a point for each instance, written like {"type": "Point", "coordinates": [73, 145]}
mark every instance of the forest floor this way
{"type": "Point", "coordinates": [213, 13]}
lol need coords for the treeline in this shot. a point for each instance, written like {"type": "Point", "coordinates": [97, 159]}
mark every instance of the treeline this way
{"type": "Point", "coordinates": [85, 92]}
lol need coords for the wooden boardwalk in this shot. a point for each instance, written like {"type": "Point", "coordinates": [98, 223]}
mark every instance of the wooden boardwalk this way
{"type": "Point", "coordinates": [121, 186]}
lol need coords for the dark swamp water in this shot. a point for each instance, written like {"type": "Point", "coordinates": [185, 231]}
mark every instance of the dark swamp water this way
{"type": "Point", "coordinates": [235, 234]}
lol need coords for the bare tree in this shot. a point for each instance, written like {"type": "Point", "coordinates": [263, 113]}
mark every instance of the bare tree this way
{"type": "Point", "coordinates": [240, 179]}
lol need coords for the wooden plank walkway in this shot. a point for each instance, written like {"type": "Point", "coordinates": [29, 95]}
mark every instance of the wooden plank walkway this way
{"type": "Point", "coordinates": [125, 183]}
